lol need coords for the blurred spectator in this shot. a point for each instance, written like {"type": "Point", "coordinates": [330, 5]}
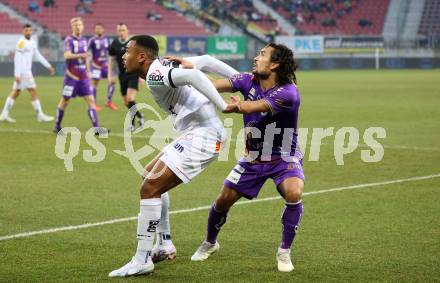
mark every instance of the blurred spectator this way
{"type": "Point", "coordinates": [49, 3]}
{"type": "Point", "coordinates": [33, 7]}
{"type": "Point", "coordinates": [328, 22]}
{"type": "Point", "coordinates": [81, 8]}
{"type": "Point", "coordinates": [365, 23]}
{"type": "Point", "coordinates": [153, 16]}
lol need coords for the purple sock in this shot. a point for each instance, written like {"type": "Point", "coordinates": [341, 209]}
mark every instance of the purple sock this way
{"type": "Point", "coordinates": [94, 93]}
{"type": "Point", "coordinates": [290, 220]}
{"type": "Point", "coordinates": [110, 91]}
{"type": "Point", "coordinates": [94, 117]}
{"type": "Point", "coordinates": [59, 118]}
{"type": "Point", "coordinates": [216, 220]}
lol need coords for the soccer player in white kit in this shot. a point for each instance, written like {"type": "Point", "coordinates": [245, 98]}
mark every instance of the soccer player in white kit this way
{"type": "Point", "coordinates": [190, 97]}
{"type": "Point", "coordinates": [25, 51]}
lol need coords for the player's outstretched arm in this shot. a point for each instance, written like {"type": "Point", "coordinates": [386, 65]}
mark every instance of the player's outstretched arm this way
{"type": "Point", "coordinates": [205, 63]}
{"type": "Point", "coordinates": [208, 64]}
{"type": "Point", "coordinates": [180, 77]}
{"type": "Point", "coordinates": [246, 107]}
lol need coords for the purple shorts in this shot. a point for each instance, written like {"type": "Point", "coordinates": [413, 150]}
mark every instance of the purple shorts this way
{"type": "Point", "coordinates": [73, 88]}
{"type": "Point", "coordinates": [99, 73]}
{"type": "Point", "coordinates": [248, 178]}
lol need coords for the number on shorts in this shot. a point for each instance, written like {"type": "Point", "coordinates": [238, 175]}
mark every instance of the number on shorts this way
{"type": "Point", "coordinates": [96, 74]}
{"type": "Point", "coordinates": [68, 90]}
{"type": "Point", "coordinates": [235, 174]}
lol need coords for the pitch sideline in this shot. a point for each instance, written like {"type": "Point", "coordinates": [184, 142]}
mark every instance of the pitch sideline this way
{"type": "Point", "coordinates": [118, 220]}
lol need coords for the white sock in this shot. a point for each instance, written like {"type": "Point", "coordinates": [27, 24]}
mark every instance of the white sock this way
{"type": "Point", "coordinates": [148, 219]}
{"type": "Point", "coordinates": [37, 106]}
{"type": "Point", "coordinates": [163, 229]}
{"type": "Point", "coordinates": [8, 105]}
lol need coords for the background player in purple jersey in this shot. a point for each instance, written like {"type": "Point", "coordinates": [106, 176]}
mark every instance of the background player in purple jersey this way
{"type": "Point", "coordinates": [76, 78]}
{"type": "Point", "coordinates": [99, 45]}
{"type": "Point", "coordinates": [270, 114]}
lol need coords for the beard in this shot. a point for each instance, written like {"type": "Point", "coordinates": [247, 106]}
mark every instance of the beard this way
{"type": "Point", "coordinates": [260, 75]}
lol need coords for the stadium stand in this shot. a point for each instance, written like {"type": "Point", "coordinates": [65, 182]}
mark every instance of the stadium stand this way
{"type": "Point", "coordinates": [135, 14]}
{"type": "Point", "coordinates": [348, 17]}
{"type": "Point", "coordinates": [430, 22]}
{"type": "Point", "coordinates": [9, 25]}
{"type": "Point", "coordinates": [241, 12]}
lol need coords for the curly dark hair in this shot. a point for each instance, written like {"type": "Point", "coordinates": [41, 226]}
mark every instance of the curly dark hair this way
{"type": "Point", "coordinates": [284, 56]}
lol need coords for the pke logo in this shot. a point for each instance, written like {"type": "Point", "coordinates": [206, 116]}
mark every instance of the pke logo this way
{"type": "Point", "coordinates": [179, 147]}
{"type": "Point", "coordinates": [152, 226]}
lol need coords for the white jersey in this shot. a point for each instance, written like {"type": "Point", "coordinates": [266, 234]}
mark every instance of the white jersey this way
{"type": "Point", "coordinates": [24, 53]}
{"type": "Point", "coordinates": [187, 105]}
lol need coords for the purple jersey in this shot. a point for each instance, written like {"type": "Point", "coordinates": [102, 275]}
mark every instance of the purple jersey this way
{"type": "Point", "coordinates": [76, 68]}
{"type": "Point", "coordinates": [99, 47]}
{"type": "Point", "coordinates": [272, 135]}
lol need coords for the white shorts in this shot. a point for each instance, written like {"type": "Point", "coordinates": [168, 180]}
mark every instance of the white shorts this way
{"type": "Point", "coordinates": [26, 81]}
{"type": "Point", "coordinates": [193, 151]}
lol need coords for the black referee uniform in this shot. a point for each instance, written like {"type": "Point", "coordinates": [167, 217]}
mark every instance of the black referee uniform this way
{"type": "Point", "coordinates": [126, 80]}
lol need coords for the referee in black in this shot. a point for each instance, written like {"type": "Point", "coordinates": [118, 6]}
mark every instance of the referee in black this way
{"type": "Point", "coordinates": [129, 83]}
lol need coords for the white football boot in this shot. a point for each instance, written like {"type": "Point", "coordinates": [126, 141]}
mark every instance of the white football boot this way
{"type": "Point", "coordinates": [163, 252]}
{"type": "Point", "coordinates": [6, 118]}
{"type": "Point", "coordinates": [44, 118]}
{"type": "Point", "coordinates": [205, 250]}
{"type": "Point", "coordinates": [133, 268]}
{"type": "Point", "coordinates": [284, 261]}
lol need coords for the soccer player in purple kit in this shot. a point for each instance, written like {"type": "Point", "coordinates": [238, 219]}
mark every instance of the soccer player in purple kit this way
{"type": "Point", "coordinates": [270, 113]}
{"type": "Point", "coordinates": [76, 78]}
{"type": "Point", "coordinates": [99, 45]}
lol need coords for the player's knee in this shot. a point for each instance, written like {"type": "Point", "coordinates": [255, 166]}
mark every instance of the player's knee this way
{"type": "Point", "coordinates": [224, 201]}
{"type": "Point", "coordinates": [221, 203]}
{"type": "Point", "coordinates": [293, 194]}
{"type": "Point", "coordinates": [150, 189]}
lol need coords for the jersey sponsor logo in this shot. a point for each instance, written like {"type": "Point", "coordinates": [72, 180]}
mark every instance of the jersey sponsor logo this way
{"type": "Point", "coordinates": [155, 78]}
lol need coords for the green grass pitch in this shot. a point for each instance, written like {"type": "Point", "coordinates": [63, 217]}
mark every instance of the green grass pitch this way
{"type": "Point", "coordinates": [382, 233]}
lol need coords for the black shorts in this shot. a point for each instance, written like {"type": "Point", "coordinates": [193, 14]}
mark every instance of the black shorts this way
{"type": "Point", "coordinates": [127, 81]}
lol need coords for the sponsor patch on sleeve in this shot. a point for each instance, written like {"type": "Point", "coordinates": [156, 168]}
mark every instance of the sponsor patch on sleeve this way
{"type": "Point", "coordinates": [155, 78]}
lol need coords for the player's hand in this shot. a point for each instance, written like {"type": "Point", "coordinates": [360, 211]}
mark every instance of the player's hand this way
{"type": "Point", "coordinates": [182, 61]}
{"type": "Point", "coordinates": [233, 106]}
{"type": "Point", "coordinates": [83, 55]}
{"type": "Point", "coordinates": [51, 70]}
{"type": "Point", "coordinates": [17, 80]}
{"type": "Point", "coordinates": [89, 75]}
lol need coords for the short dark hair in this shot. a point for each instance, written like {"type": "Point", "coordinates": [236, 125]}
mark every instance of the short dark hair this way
{"type": "Point", "coordinates": [287, 65]}
{"type": "Point", "coordinates": [148, 43]}
{"type": "Point", "coordinates": [122, 24]}
{"type": "Point", "coordinates": [27, 26]}
{"type": "Point", "coordinates": [99, 24]}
